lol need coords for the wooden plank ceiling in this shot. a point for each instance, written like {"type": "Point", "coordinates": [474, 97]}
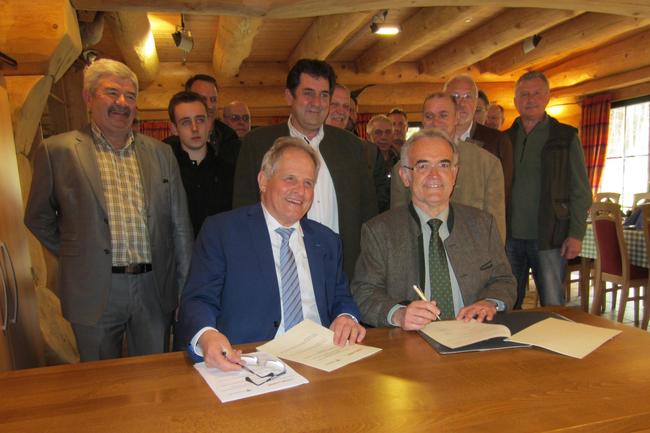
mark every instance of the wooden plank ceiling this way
{"type": "Point", "coordinates": [586, 46]}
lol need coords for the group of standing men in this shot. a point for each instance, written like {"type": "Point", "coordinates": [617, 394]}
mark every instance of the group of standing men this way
{"type": "Point", "coordinates": [119, 210]}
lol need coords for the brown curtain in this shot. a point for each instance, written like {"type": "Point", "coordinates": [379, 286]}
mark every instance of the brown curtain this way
{"type": "Point", "coordinates": [594, 129]}
{"type": "Point", "coordinates": [159, 129]}
{"type": "Point", "coordinates": [362, 121]}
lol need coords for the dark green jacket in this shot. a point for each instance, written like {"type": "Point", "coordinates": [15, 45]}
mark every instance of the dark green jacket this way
{"type": "Point", "coordinates": [557, 199]}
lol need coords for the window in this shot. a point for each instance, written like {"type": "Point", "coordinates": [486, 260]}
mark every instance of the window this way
{"type": "Point", "coordinates": [626, 162]}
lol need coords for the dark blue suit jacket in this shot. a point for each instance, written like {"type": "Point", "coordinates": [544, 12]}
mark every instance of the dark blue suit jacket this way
{"type": "Point", "coordinates": [233, 286]}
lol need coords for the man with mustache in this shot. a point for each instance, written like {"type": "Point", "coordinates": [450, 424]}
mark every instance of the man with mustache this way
{"type": "Point", "coordinates": [223, 141]}
{"type": "Point", "coordinates": [201, 169]}
{"type": "Point", "coordinates": [452, 252]}
{"type": "Point", "coordinates": [108, 202]}
{"type": "Point", "coordinates": [550, 193]}
{"type": "Point", "coordinates": [259, 270]}
{"type": "Point", "coordinates": [344, 196]}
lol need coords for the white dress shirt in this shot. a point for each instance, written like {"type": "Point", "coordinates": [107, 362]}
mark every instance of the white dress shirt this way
{"type": "Point", "coordinates": [324, 208]}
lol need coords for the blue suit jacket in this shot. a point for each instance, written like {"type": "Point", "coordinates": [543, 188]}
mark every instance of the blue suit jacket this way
{"type": "Point", "coordinates": [233, 286]}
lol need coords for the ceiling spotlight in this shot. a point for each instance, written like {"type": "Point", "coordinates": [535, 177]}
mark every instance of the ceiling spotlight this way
{"type": "Point", "coordinates": [183, 39]}
{"type": "Point", "coordinates": [531, 43]}
{"type": "Point", "coordinates": [378, 25]}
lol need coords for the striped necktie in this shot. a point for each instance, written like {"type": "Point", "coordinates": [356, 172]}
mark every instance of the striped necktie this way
{"type": "Point", "coordinates": [439, 273]}
{"type": "Point", "coordinates": [291, 303]}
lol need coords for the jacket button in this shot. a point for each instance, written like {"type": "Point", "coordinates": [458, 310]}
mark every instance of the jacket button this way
{"type": "Point", "coordinates": [107, 251]}
{"type": "Point", "coordinates": [106, 220]}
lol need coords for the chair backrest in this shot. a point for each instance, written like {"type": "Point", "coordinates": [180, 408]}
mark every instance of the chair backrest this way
{"type": "Point", "coordinates": [612, 257]}
{"type": "Point", "coordinates": [645, 217]}
{"type": "Point", "coordinates": [640, 198]}
{"type": "Point", "coordinates": [607, 197]}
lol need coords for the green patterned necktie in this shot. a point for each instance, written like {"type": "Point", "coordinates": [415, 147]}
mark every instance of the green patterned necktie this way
{"type": "Point", "coordinates": [439, 273]}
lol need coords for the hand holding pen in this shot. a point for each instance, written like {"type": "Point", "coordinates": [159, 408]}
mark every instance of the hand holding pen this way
{"type": "Point", "coordinates": [417, 314]}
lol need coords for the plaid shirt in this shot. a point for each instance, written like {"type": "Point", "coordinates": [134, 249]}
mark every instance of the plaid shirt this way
{"type": "Point", "coordinates": [124, 196]}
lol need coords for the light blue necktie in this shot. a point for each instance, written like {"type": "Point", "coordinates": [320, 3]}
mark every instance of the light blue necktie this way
{"type": "Point", "coordinates": [291, 303]}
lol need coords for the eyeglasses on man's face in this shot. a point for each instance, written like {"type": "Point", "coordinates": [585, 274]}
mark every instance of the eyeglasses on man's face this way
{"type": "Point", "coordinates": [425, 167]}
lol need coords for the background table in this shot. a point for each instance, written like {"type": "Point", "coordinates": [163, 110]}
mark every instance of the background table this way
{"type": "Point", "coordinates": [407, 387]}
{"type": "Point", "coordinates": [635, 240]}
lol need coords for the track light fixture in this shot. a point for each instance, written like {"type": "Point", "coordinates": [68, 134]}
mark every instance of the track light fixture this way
{"type": "Point", "coordinates": [183, 39]}
{"type": "Point", "coordinates": [378, 25]}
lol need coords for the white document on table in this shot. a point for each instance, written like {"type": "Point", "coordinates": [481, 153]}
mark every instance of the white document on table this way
{"type": "Point", "coordinates": [456, 333]}
{"type": "Point", "coordinates": [568, 338]}
{"type": "Point", "coordinates": [312, 344]}
{"type": "Point", "coordinates": [232, 385]}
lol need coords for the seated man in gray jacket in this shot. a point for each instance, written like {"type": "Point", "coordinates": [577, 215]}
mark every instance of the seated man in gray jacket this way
{"type": "Point", "coordinates": [453, 252]}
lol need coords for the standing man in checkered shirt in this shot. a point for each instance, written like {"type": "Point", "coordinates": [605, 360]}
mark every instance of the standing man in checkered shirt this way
{"type": "Point", "coordinates": [110, 204]}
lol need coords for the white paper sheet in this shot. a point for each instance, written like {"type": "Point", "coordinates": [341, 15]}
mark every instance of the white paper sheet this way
{"type": "Point", "coordinates": [312, 344]}
{"type": "Point", "coordinates": [456, 333]}
{"type": "Point", "coordinates": [231, 386]}
{"type": "Point", "coordinates": [568, 338]}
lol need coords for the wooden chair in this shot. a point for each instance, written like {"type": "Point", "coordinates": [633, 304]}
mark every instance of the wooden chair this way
{"type": "Point", "coordinates": [607, 197]}
{"type": "Point", "coordinates": [645, 216]}
{"type": "Point", "coordinates": [612, 261]}
{"type": "Point", "coordinates": [640, 198]}
{"type": "Point", "coordinates": [576, 265]}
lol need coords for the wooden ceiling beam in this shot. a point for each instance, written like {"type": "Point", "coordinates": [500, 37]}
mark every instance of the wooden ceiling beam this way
{"type": "Point", "coordinates": [233, 43]}
{"type": "Point", "coordinates": [612, 58]}
{"type": "Point", "coordinates": [583, 32]}
{"type": "Point", "coordinates": [611, 82]}
{"type": "Point", "coordinates": [41, 35]}
{"type": "Point", "coordinates": [429, 26]}
{"type": "Point", "coordinates": [313, 8]}
{"type": "Point", "coordinates": [326, 34]}
{"type": "Point", "coordinates": [496, 34]}
{"type": "Point", "coordinates": [134, 39]}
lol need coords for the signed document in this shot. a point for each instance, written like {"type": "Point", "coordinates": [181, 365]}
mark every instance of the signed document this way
{"type": "Point", "coordinates": [312, 344]}
{"type": "Point", "coordinates": [456, 333]}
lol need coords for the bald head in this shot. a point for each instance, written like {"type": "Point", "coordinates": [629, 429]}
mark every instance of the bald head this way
{"type": "Point", "coordinates": [238, 117]}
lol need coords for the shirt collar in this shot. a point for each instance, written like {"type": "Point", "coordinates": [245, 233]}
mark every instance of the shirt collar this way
{"type": "Point", "coordinates": [103, 141]}
{"type": "Point", "coordinates": [295, 133]}
{"type": "Point", "coordinates": [273, 224]}
{"type": "Point", "coordinates": [424, 217]}
{"type": "Point", "coordinates": [465, 135]}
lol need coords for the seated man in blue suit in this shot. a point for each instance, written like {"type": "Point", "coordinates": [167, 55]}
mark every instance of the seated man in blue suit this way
{"type": "Point", "coordinates": [259, 270]}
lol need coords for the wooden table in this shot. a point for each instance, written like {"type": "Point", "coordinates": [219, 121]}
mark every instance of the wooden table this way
{"type": "Point", "coordinates": [407, 387]}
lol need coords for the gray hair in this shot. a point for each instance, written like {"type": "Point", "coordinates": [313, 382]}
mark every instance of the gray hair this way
{"type": "Point", "coordinates": [427, 133]}
{"type": "Point", "coordinates": [103, 67]}
{"type": "Point", "coordinates": [462, 77]}
{"type": "Point", "coordinates": [443, 95]}
{"type": "Point", "coordinates": [281, 145]}
{"type": "Point", "coordinates": [370, 126]}
{"type": "Point", "coordinates": [531, 75]}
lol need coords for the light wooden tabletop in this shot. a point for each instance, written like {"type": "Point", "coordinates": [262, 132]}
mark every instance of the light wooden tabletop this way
{"type": "Point", "coordinates": [407, 387]}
